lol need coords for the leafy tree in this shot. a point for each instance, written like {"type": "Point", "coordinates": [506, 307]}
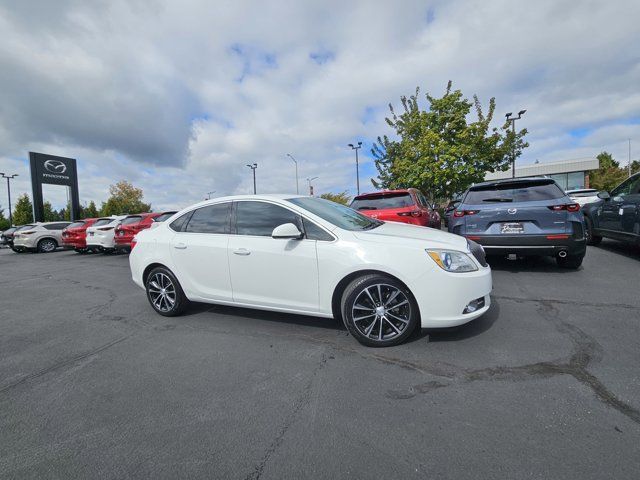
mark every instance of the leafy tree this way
{"type": "Point", "coordinates": [23, 211]}
{"type": "Point", "coordinates": [4, 222]}
{"type": "Point", "coordinates": [609, 175]}
{"type": "Point", "coordinates": [90, 211]}
{"type": "Point", "coordinates": [341, 197]}
{"type": "Point", "coordinates": [438, 150]}
{"type": "Point", "coordinates": [50, 215]}
{"type": "Point", "coordinates": [125, 198]}
{"type": "Point", "coordinates": [635, 167]}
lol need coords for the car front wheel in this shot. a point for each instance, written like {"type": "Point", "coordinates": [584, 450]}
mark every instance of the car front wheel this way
{"type": "Point", "coordinates": [379, 311]}
{"type": "Point", "coordinates": [165, 293]}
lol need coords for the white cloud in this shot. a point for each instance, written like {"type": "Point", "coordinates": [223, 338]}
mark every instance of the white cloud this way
{"type": "Point", "coordinates": [179, 96]}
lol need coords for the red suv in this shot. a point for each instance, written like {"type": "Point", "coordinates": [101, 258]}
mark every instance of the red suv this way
{"type": "Point", "coordinates": [405, 206]}
{"type": "Point", "coordinates": [131, 225]}
{"type": "Point", "coordinates": [75, 235]}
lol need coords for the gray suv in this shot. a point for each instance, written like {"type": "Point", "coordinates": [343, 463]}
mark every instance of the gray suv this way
{"type": "Point", "coordinates": [523, 216]}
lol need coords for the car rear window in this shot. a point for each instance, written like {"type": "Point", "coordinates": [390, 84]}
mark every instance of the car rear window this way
{"type": "Point", "coordinates": [585, 193]}
{"type": "Point", "coordinates": [130, 220]}
{"type": "Point", "coordinates": [163, 217]}
{"type": "Point", "coordinates": [76, 225]}
{"type": "Point", "coordinates": [514, 192]}
{"type": "Point", "coordinates": [382, 201]}
{"type": "Point", "coordinates": [102, 221]}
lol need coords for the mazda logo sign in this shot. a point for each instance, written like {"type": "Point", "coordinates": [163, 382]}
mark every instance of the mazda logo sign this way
{"type": "Point", "coordinates": [55, 166]}
{"type": "Point", "coordinates": [512, 210]}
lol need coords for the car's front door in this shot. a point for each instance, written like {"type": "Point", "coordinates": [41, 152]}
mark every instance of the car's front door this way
{"type": "Point", "coordinates": [199, 251]}
{"type": "Point", "coordinates": [271, 272]}
{"type": "Point", "coordinates": [618, 213]}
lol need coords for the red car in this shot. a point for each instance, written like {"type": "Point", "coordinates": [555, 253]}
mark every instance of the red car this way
{"type": "Point", "coordinates": [131, 225]}
{"type": "Point", "coordinates": [405, 206]}
{"type": "Point", "coordinates": [75, 235]}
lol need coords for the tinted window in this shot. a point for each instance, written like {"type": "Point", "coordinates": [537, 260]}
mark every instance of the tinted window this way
{"type": "Point", "coordinates": [210, 219]}
{"type": "Point", "coordinates": [130, 220]}
{"type": "Point", "coordinates": [336, 214]}
{"type": "Point", "coordinates": [314, 232]}
{"type": "Point", "coordinates": [629, 186]}
{"type": "Point", "coordinates": [163, 217]}
{"type": "Point", "coordinates": [514, 192]}
{"type": "Point", "coordinates": [382, 200]}
{"type": "Point", "coordinates": [56, 226]}
{"type": "Point", "coordinates": [76, 225]}
{"type": "Point", "coordinates": [24, 227]}
{"type": "Point", "coordinates": [260, 218]}
{"type": "Point", "coordinates": [102, 221]}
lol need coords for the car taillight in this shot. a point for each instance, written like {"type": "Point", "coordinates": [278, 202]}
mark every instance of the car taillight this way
{"type": "Point", "coordinates": [413, 213]}
{"type": "Point", "coordinates": [104, 229]}
{"type": "Point", "coordinates": [462, 213]}
{"type": "Point", "coordinates": [569, 207]}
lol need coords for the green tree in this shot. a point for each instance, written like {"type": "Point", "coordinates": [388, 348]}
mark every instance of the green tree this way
{"type": "Point", "coordinates": [23, 211]}
{"type": "Point", "coordinates": [50, 215]}
{"type": "Point", "coordinates": [635, 167]}
{"type": "Point", "coordinates": [609, 175]}
{"type": "Point", "coordinates": [438, 151]}
{"type": "Point", "coordinates": [341, 197]}
{"type": "Point", "coordinates": [90, 211]}
{"type": "Point", "coordinates": [125, 198]}
{"type": "Point", "coordinates": [4, 221]}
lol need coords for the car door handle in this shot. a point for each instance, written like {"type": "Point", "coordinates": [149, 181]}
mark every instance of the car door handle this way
{"type": "Point", "coordinates": [180, 246]}
{"type": "Point", "coordinates": [242, 251]}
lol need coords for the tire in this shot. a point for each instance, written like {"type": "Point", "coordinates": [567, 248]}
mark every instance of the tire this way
{"type": "Point", "coordinates": [570, 261]}
{"type": "Point", "coordinates": [386, 329]}
{"type": "Point", "coordinates": [17, 250]}
{"type": "Point", "coordinates": [591, 238]}
{"type": "Point", "coordinates": [47, 245]}
{"type": "Point", "coordinates": [161, 286]}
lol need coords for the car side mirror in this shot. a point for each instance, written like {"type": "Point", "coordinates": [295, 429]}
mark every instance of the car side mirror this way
{"type": "Point", "coordinates": [604, 195]}
{"type": "Point", "coordinates": [287, 230]}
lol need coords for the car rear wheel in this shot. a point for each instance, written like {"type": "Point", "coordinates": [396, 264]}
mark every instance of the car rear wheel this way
{"type": "Point", "coordinates": [570, 261]}
{"type": "Point", "coordinates": [591, 238]}
{"type": "Point", "coordinates": [379, 311]}
{"type": "Point", "coordinates": [47, 245]}
{"type": "Point", "coordinates": [165, 293]}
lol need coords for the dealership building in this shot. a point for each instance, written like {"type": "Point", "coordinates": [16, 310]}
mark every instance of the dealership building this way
{"type": "Point", "coordinates": [570, 174]}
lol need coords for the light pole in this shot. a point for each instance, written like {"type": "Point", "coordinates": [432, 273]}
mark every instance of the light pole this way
{"type": "Point", "coordinates": [209, 195]}
{"type": "Point", "coordinates": [294, 161]}
{"type": "Point", "coordinates": [311, 186]}
{"type": "Point", "coordinates": [353, 147]}
{"type": "Point", "coordinates": [9, 177]}
{"type": "Point", "coordinates": [253, 169]}
{"type": "Point", "coordinates": [513, 129]}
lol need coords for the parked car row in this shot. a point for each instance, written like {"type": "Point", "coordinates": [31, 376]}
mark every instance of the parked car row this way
{"type": "Point", "coordinates": [104, 234]}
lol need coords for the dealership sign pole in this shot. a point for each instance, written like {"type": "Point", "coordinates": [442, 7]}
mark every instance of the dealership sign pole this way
{"type": "Point", "coordinates": [51, 169]}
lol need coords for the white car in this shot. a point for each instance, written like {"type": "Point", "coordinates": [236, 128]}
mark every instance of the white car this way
{"type": "Point", "coordinates": [310, 256]}
{"type": "Point", "coordinates": [101, 235]}
{"type": "Point", "coordinates": [583, 196]}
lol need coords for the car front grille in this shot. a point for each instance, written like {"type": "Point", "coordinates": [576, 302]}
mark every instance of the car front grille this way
{"type": "Point", "coordinates": [478, 252]}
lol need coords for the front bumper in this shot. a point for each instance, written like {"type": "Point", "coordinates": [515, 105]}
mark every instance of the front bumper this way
{"type": "Point", "coordinates": [530, 244]}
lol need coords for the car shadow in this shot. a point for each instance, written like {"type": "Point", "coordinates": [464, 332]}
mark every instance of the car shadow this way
{"type": "Point", "coordinates": [527, 264]}
{"type": "Point", "coordinates": [462, 332]}
{"type": "Point", "coordinates": [621, 248]}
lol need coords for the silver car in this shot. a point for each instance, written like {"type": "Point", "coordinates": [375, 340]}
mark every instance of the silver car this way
{"type": "Point", "coordinates": [41, 237]}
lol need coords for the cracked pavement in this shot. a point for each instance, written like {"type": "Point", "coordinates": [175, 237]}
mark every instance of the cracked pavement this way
{"type": "Point", "coordinates": [94, 384]}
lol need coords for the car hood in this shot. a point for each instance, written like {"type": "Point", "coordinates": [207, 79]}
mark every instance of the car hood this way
{"type": "Point", "coordinates": [393, 232]}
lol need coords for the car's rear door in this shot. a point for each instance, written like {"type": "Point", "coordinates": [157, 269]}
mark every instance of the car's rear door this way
{"type": "Point", "coordinates": [271, 272]}
{"type": "Point", "coordinates": [199, 252]}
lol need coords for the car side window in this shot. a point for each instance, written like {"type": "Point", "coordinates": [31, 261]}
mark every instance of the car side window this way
{"type": "Point", "coordinates": [635, 187]}
{"type": "Point", "coordinates": [626, 187]}
{"type": "Point", "coordinates": [210, 219]}
{"type": "Point", "coordinates": [179, 223]}
{"type": "Point", "coordinates": [56, 226]}
{"type": "Point", "coordinates": [260, 218]}
{"type": "Point", "coordinates": [314, 232]}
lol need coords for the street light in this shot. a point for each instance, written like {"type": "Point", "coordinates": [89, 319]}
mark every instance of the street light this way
{"type": "Point", "coordinates": [513, 129]}
{"type": "Point", "coordinates": [357, 167]}
{"type": "Point", "coordinates": [294, 161]}
{"type": "Point", "coordinates": [310, 186]}
{"type": "Point", "coordinates": [253, 169]}
{"type": "Point", "coordinates": [9, 177]}
{"type": "Point", "coordinates": [209, 195]}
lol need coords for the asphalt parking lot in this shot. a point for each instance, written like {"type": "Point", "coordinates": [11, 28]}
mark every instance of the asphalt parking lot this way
{"type": "Point", "coordinates": [94, 384]}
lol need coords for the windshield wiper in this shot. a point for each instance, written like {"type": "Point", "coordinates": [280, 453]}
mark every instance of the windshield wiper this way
{"type": "Point", "coordinates": [498, 200]}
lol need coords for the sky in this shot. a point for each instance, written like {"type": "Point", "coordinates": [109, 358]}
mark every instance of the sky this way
{"type": "Point", "coordinates": [178, 97]}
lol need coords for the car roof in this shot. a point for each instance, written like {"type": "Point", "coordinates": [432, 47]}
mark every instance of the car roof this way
{"type": "Point", "coordinates": [382, 192]}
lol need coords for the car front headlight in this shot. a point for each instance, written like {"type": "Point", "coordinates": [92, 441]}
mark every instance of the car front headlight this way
{"type": "Point", "coordinates": [453, 261]}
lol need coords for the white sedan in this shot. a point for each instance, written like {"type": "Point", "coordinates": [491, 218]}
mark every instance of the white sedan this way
{"type": "Point", "coordinates": [310, 256]}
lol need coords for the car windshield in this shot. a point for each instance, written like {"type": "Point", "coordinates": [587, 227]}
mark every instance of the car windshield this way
{"type": "Point", "coordinates": [336, 214]}
{"type": "Point", "coordinates": [130, 220]}
{"type": "Point", "coordinates": [381, 201]}
{"type": "Point", "coordinates": [102, 221]}
{"type": "Point", "coordinates": [75, 225]}
{"type": "Point", "coordinates": [514, 192]}
{"type": "Point", "coordinates": [163, 217]}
